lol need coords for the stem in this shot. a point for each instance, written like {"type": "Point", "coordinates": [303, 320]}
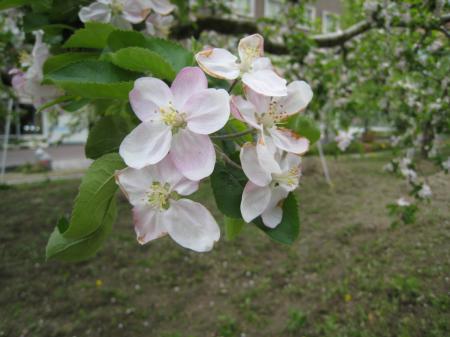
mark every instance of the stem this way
{"type": "Point", "coordinates": [232, 86]}
{"type": "Point", "coordinates": [226, 158]}
{"type": "Point", "coordinates": [233, 135]}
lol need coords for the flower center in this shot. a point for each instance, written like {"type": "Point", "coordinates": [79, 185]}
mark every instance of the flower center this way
{"type": "Point", "coordinates": [117, 7]}
{"type": "Point", "coordinates": [25, 59]}
{"type": "Point", "coordinates": [272, 117]}
{"type": "Point", "coordinates": [158, 196]}
{"type": "Point", "coordinates": [171, 117]}
{"type": "Point", "coordinates": [250, 53]}
{"type": "Point", "coordinates": [289, 178]}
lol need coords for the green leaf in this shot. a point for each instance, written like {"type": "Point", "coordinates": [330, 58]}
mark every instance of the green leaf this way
{"type": "Point", "coordinates": [228, 183]}
{"type": "Point", "coordinates": [93, 79]}
{"type": "Point", "coordinates": [5, 4]}
{"type": "Point", "coordinates": [143, 60]}
{"type": "Point", "coordinates": [233, 227]}
{"type": "Point", "coordinates": [171, 51]}
{"type": "Point", "coordinates": [94, 197]}
{"type": "Point", "coordinates": [119, 39]}
{"type": "Point", "coordinates": [106, 136]}
{"type": "Point", "coordinates": [305, 127]}
{"type": "Point", "coordinates": [61, 60]}
{"type": "Point", "coordinates": [57, 100]}
{"type": "Point", "coordinates": [288, 230]}
{"type": "Point", "coordinates": [94, 35]}
{"type": "Point", "coordinates": [73, 250]}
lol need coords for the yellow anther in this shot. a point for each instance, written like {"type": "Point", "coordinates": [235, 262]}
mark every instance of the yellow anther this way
{"type": "Point", "coordinates": [158, 196]}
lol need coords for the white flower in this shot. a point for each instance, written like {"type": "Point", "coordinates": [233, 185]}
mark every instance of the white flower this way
{"type": "Point", "coordinates": [425, 192]}
{"type": "Point", "coordinates": [256, 71]}
{"type": "Point", "coordinates": [344, 139]}
{"type": "Point", "coordinates": [268, 116]}
{"type": "Point", "coordinates": [402, 202]}
{"type": "Point", "coordinates": [123, 13]}
{"type": "Point", "coordinates": [266, 188]}
{"type": "Point", "coordinates": [389, 167]}
{"type": "Point", "coordinates": [159, 25]}
{"type": "Point", "coordinates": [176, 119]}
{"type": "Point", "coordinates": [157, 211]}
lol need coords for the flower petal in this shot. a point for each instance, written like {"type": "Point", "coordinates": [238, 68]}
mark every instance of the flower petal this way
{"type": "Point", "coordinates": [207, 111]}
{"type": "Point", "coordinates": [193, 154]}
{"type": "Point", "coordinates": [273, 214]}
{"type": "Point", "coordinates": [134, 11]}
{"type": "Point", "coordinates": [265, 82]}
{"type": "Point", "coordinates": [219, 63]}
{"type": "Point", "coordinates": [245, 111]}
{"type": "Point", "coordinates": [148, 96]}
{"type": "Point", "coordinates": [298, 97]}
{"type": "Point", "coordinates": [254, 201]}
{"type": "Point", "coordinates": [266, 150]}
{"type": "Point", "coordinates": [147, 144]}
{"type": "Point", "coordinates": [191, 225]}
{"type": "Point", "coordinates": [189, 81]}
{"type": "Point", "coordinates": [148, 223]}
{"type": "Point", "coordinates": [96, 11]}
{"type": "Point", "coordinates": [166, 172]}
{"type": "Point", "coordinates": [162, 7]}
{"type": "Point", "coordinates": [251, 167]}
{"type": "Point", "coordinates": [289, 141]}
{"type": "Point", "coordinates": [251, 47]}
{"type": "Point", "coordinates": [120, 22]}
{"type": "Point", "coordinates": [261, 102]}
{"type": "Point", "coordinates": [135, 183]}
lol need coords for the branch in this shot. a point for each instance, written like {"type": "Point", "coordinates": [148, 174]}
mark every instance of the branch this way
{"type": "Point", "coordinates": [237, 27]}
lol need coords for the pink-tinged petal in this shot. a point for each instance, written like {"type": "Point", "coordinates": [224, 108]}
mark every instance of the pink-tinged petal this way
{"type": "Point", "coordinates": [265, 82]}
{"type": "Point", "coordinates": [162, 7]}
{"type": "Point", "coordinates": [193, 154]}
{"type": "Point", "coordinates": [262, 63]}
{"type": "Point", "coordinates": [96, 11]}
{"type": "Point", "coordinates": [266, 151]}
{"type": "Point", "coordinates": [191, 225]}
{"type": "Point", "coordinates": [135, 11]}
{"type": "Point", "coordinates": [254, 201]}
{"type": "Point", "coordinates": [166, 172]}
{"type": "Point", "coordinates": [251, 47]}
{"type": "Point", "coordinates": [289, 141]}
{"type": "Point", "coordinates": [207, 111]}
{"type": "Point", "coordinates": [289, 161]}
{"type": "Point", "coordinates": [251, 167]}
{"type": "Point", "coordinates": [245, 110]}
{"type": "Point", "coordinates": [149, 94]}
{"type": "Point", "coordinates": [261, 102]}
{"type": "Point", "coordinates": [135, 183]}
{"type": "Point", "coordinates": [298, 97]}
{"type": "Point", "coordinates": [189, 81]}
{"type": "Point", "coordinates": [273, 214]}
{"type": "Point", "coordinates": [147, 144]}
{"type": "Point", "coordinates": [148, 223]}
{"type": "Point", "coordinates": [219, 63]}
{"type": "Point", "coordinates": [144, 109]}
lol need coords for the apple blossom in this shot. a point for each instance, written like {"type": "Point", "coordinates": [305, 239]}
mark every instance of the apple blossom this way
{"type": "Point", "coordinates": [267, 188]}
{"type": "Point", "coordinates": [344, 139]}
{"type": "Point", "coordinates": [123, 13]}
{"type": "Point", "coordinates": [255, 70]}
{"type": "Point", "coordinates": [176, 121]}
{"type": "Point", "coordinates": [153, 191]}
{"type": "Point", "coordinates": [402, 202]}
{"type": "Point", "coordinates": [446, 164]}
{"type": "Point", "coordinates": [268, 114]}
{"type": "Point", "coordinates": [159, 25]}
{"type": "Point", "coordinates": [425, 192]}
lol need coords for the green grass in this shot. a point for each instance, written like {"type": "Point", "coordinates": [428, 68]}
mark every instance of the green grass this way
{"type": "Point", "coordinates": [349, 274]}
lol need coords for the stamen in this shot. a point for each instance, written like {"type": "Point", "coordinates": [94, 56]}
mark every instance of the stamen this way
{"type": "Point", "coordinates": [158, 196]}
{"type": "Point", "coordinates": [171, 117]}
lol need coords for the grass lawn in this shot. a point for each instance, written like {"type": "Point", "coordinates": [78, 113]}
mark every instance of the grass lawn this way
{"type": "Point", "coordinates": [349, 274]}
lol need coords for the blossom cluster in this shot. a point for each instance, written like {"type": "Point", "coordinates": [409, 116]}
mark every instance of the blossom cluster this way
{"type": "Point", "coordinates": [170, 151]}
{"type": "Point", "coordinates": [125, 13]}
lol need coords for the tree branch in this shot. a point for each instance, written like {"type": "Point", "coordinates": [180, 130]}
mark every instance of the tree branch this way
{"type": "Point", "coordinates": [236, 27]}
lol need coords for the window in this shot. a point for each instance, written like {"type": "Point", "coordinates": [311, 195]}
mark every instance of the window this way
{"type": "Point", "coordinates": [272, 8]}
{"type": "Point", "coordinates": [309, 16]}
{"type": "Point", "coordinates": [330, 22]}
{"type": "Point", "coordinates": [243, 7]}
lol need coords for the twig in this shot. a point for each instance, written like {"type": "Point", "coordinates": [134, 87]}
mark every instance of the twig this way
{"type": "Point", "coordinates": [226, 158]}
{"type": "Point", "coordinates": [233, 135]}
{"type": "Point", "coordinates": [232, 86]}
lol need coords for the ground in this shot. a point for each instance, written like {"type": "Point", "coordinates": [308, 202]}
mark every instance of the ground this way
{"type": "Point", "coordinates": [349, 274]}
